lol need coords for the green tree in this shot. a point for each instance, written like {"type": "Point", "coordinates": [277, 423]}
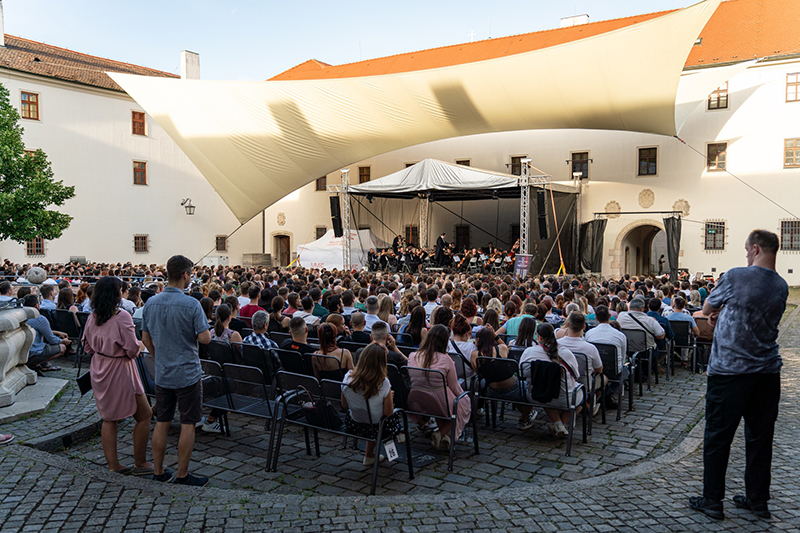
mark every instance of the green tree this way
{"type": "Point", "coordinates": [27, 187]}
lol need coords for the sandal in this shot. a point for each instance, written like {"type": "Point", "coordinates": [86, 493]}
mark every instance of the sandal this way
{"type": "Point", "coordinates": [47, 367]}
{"type": "Point", "coordinates": [125, 470]}
{"type": "Point", "coordinates": [143, 470]}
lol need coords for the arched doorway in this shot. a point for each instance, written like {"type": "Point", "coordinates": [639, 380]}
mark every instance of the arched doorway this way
{"type": "Point", "coordinates": [281, 248]}
{"type": "Point", "coordinates": [640, 245]}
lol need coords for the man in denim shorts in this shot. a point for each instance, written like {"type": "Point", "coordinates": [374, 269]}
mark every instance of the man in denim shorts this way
{"type": "Point", "coordinates": [172, 326]}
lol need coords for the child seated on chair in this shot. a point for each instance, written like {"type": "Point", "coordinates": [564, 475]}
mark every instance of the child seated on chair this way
{"type": "Point", "coordinates": [368, 395]}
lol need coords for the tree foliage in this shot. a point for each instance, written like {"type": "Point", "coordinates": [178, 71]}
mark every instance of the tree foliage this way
{"type": "Point", "coordinates": [27, 186]}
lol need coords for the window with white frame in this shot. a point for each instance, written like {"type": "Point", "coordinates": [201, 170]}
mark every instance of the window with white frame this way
{"type": "Point", "coordinates": [718, 99]}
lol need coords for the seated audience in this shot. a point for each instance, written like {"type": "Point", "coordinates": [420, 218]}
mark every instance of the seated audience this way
{"type": "Point", "coordinates": [327, 346]}
{"type": "Point", "coordinates": [259, 336]}
{"type": "Point", "coordinates": [299, 340]}
{"type": "Point", "coordinates": [46, 344]}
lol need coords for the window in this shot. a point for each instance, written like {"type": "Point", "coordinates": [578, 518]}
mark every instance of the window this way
{"type": "Point", "coordinates": [648, 161]}
{"type": "Point", "coordinates": [791, 153]}
{"type": "Point", "coordinates": [139, 173]}
{"type": "Point", "coordinates": [516, 165]}
{"type": "Point", "coordinates": [714, 235]}
{"type": "Point", "coordinates": [141, 244]}
{"type": "Point", "coordinates": [790, 235]}
{"type": "Point", "coordinates": [137, 122]}
{"type": "Point", "coordinates": [30, 106]}
{"type": "Point", "coordinates": [321, 231]}
{"type": "Point", "coordinates": [322, 183]}
{"type": "Point", "coordinates": [716, 156]}
{"type": "Point", "coordinates": [462, 238]}
{"type": "Point", "coordinates": [221, 243]}
{"type": "Point", "coordinates": [363, 174]}
{"type": "Point", "coordinates": [412, 236]}
{"type": "Point", "coordinates": [580, 163]}
{"type": "Point", "coordinates": [793, 87]}
{"type": "Point", "coordinates": [463, 162]}
{"type": "Point", "coordinates": [718, 99]}
{"type": "Point", "coordinates": [34, 247]}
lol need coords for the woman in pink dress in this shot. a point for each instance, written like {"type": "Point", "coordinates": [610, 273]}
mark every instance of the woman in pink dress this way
{"type": "Point", "coordinates": [118, 391]}
{"type": "Point", "coordinates": [427, 396]}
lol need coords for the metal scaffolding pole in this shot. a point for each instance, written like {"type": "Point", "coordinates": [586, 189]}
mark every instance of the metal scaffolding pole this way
{"type": "Point", "coordinates": [524, 207]}
{"type": "Point", "coordinates": [344, 196]}
{"type": "Point", "coordinates": [423, 220]}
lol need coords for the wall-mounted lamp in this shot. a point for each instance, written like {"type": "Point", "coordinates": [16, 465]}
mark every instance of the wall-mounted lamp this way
{"type": "Point", "coordinates": [187, 204]}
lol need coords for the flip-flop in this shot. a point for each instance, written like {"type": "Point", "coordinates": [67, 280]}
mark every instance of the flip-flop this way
{"type": "Point", "coordinates": [142, 471]}
{"type": "Point", "coordinates": [6, 439]}
{"type": "Point", "coordinates": [47, 367]}
{"type": "Point", "coordinates": [125, 470]}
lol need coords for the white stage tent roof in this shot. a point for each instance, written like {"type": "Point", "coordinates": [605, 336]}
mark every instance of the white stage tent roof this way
{"type": "Point", "coordinates": [256, 142]}
{"type": "Point", "coordinates": [448, 181]}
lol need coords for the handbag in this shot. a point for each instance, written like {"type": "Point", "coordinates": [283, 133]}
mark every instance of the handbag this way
{"type": "Point", "coordinates": [84, 383]}
{"type": "Point", "coordinates": [319, 413]}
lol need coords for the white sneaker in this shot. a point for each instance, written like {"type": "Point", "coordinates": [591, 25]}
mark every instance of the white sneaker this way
{"type": "Point", "coordinates": [596, 408]}
{"type": "Point", "coordinates": [369, 461]}
{"type": "Point", "coordinates": [561, 430]}
{"type": "Point", "coordinates": [436, 440]}
{"type": "Point", "coordinates": [202, 422]}
{"type": "Point", "coordinates": [400, 438]}
{"type": "Point", "coordinates": [211, 427]}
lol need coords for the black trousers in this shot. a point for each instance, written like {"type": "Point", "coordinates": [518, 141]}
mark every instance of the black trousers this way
{"type": "Point", "coordinates": [729, 398]}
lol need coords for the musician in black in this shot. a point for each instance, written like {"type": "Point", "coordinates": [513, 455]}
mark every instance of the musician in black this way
{"type": "Point", "coordinates": [396, 244]}
{"type": "Point", "coordinates": [440, 246]}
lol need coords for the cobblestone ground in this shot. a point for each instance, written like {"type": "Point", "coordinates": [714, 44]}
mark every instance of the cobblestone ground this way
{"type": "Point", "coordinates": [633, 475]}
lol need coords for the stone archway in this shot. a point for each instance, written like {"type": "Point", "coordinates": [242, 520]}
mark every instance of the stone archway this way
{"type": "Point", "coordinates": [636, 234]}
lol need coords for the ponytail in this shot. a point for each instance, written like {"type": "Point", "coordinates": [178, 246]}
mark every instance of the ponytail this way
{"type": "Point", "coordinates": [223, 314]}
{"type": "Point", "coordinates": [547, 339]}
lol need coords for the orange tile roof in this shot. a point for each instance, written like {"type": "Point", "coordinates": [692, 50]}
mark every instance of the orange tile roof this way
{"type": "Point", "coordinates": [749, 29]}
{"type": "Point", "coordinates": [740, 29]}
{"type": "Point", "coordinates": [53, 62]}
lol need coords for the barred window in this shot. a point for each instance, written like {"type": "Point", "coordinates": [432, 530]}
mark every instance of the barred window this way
{"type": "Point", "coordinates": [222, 243]}
{"type": "Point", "coordinates": [34, 247]}
{"type": "Point", "coordinates": [719, 98]}
{"type": "Point", "coordinates": [141, 244]}
{"type": "Point", "coordinates": [715, 236]}
{"type": "Point", "coordinates": [790, 235]}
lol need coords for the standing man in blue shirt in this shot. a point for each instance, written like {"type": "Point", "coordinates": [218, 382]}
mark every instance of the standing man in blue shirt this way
{"type": "Point", "coordinates": [172, 326]}
{"type": "Point", "coordinates": [743, 376]}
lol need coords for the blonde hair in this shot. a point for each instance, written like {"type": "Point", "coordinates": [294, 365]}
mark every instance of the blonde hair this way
{"type": "Point", "coordinates": [386, 308]}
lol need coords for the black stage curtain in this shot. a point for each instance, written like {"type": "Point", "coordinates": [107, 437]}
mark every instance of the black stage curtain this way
{"type": "Point", "coordinates": [590, 249]}
{"type": "Point", "coordinates": [672, 227]}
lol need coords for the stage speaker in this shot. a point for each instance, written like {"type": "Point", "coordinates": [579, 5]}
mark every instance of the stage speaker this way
{"type": "Point", "coordinates": [336, 217]}
{"type": "Point", "coordinates": [541, 211]}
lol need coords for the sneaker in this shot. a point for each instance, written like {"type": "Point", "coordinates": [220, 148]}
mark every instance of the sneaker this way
{"type": "Point", "coordinates": [710, 508]}
{"type": "Point", "coordinates": [436, 440]}
{"type": "Point", "coordinates": [6, 439]}
{"type": "Point", "coordinates": [596, 409]}
{"type": "Point", "coordinates": [400, 438]}
{"type": "Point", "coordinates": [192, 481]}
{"type": "Point", "coordinates": [560, 430]}
{"type": "Point", "coordinates": [551, 428]}
{"type": "Point", "coordinates": [369, 461]}
{"type": "Point", "coordinates": [526, 424]}
{"type": "Point", "coordinates": [759, 509]}
{"type": "Point", "coordinates": [203, 421]}
{"type": "Point", "coordinates": [445, 445]}
{"type": "Point", "coordinates": [211, 427]}
{"type": "Point", "coordinates": [167, 477]}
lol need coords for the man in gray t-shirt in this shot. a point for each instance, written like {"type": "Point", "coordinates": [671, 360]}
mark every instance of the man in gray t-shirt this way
{"type": "Point", "coordinates": [743, 376]}
{"type": "Point", "coordinates": [172, 326]}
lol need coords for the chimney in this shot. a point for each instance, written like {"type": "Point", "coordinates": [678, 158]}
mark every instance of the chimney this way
{"type": "Point", "coordinates": [2, 26]}
{"type": "Point", "coordinates": [575, 20]}
{"type": "Point", "coordinates": [190, 65]}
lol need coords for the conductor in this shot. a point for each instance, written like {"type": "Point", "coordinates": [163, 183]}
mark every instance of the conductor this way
{"type": "Point", "coordinates": [441, 244]}
{"type": "Point", "coordinates": [396, 243]}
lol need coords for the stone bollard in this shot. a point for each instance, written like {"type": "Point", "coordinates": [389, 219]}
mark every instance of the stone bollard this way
{"type": "Point", "coordinates": [16, 338]}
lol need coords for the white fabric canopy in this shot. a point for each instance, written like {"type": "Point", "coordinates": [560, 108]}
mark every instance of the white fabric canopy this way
{"type": "Point", "coordinates": [327, 251]}
{"type": "Point", "coordinates": [256, 142]}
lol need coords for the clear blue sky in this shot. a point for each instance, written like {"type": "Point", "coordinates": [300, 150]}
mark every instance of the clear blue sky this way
{"type": "Point", "coordinates": [256, 39]}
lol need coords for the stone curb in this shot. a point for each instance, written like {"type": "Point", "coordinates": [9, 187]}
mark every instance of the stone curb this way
{"type": "Point", "coordinates": [74, 434]}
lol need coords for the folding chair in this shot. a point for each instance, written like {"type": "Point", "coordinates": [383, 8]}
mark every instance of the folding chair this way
{"type": "Point", "coordinates": [608, 354]}
{"type": "Point", "coordinates": [490, 370]}
{"type": "Point", "coordinates": [315, 362]}
{"type": "Point", "coordinates": [215, 394]}
{"type": "Point", "coordinates": [703, 342]}
{"type": "Point", "coordinates": [433, 382]}
{"type": "Point", "coordinates": [403, 338]}
{"type": "Point", "coordinates": [292, 362]}
{"type": "Point", "coordinates": [638, 352]}
{"type": "Point", "coordinates": [248, 392]}
{"type": "Point", "coordinates": [684, 339]}
{"type": "Point", "coordinates": [221, 351]}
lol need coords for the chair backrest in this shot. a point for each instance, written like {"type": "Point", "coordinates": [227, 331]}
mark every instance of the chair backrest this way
{"type": "Point", "coordinates": [355, 399]}
{"type": "Point", "coordinates": [544, 377]}
{"type": "Point", "coordinates": [292, 361]}
{"type": "Point", "coordinates": [280, 337]}
{"type": "Point", "coordinates": [245, 381]}
{"type": "Point", "coordinates": [637, 340]}
{"type": "Point", "coordinates": [460, 364]}
{"type": "Point", "coordinates": [213, 380]}
{"type": "Point", "coordinates": [515, 352]}
{"type": "Point", "coordinates": [399, 386]}
{"type": "Point", "coordinates": [406, 350]}
{"type": "Point", "coordinates": [247, 331]}
{"type": "Point", "coordinates": [706, 329]}
{"type": "Point", "coordinates": [248, 321]}
{"type": "Point", "coordinates": [67, 322]}
{"type": "Point", "coordinates": [353, 347]}
{"type": "Point", "coordinates": [584, 368]}
{"type": "Point", "coordinates": [316, 362]}
{"type": "Point", "coordinates": [50, 315]}
{"type": "Point", "coordinates": [682, 330]}
{"type": "Point", "coordinates": [260, 358]}
{"type": "Point", "coordinates": [404, 338]}
{"type": "Point", "coordinates": [496, 369]}
{"type": "Point", "coordinates": [431, 381]}
{"type": "Point", "coordinates": [82, 318]}
{"type": "Point", "coordinates": [608, 355]}
{"type": "Point", "coordinates": [221, 352]}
